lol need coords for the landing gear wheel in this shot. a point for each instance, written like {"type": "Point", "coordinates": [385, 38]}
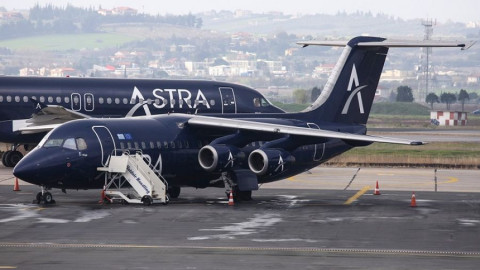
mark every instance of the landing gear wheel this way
{"type": "Point", "coordinates": [167, 199]}
{"type": "Point", "coordinates": [147, 200]}
{"type": "Point", "coordinates": [38, 198]}
{"type": "Point", "coordinates": [48, 198]}
{"type": "Point", "coordinates": [174, 192]}
{"type": "Point", "coordinates": [6, 158]}
{"type": "Point", "coordinates": [242, 195]}
{"type": "Point", "coordinates": [14, 158]}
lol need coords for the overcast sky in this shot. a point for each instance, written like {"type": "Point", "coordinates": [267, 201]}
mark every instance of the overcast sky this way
{"type": "Point", "coordinates": [442, 10]}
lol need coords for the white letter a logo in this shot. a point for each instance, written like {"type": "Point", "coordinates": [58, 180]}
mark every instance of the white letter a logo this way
{"type": "Point", "coordinates": [354, 82]}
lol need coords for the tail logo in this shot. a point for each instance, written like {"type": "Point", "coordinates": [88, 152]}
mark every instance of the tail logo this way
{"type": "Point", "coordinates": [356, 92]}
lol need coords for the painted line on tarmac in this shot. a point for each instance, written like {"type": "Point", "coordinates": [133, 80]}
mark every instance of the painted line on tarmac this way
{"type": "Point", "coordinates": [313, 251]}
{"type": "Point", "coordinates": [452, 180]}
{"type": "Point", "coordinates": [7, 267]}
{"type": "Point", "coordinates": [357, 195]}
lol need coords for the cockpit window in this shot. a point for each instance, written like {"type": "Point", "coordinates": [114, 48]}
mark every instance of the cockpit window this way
{"type": "Point", "coordinates": [70, 144]}
{"type": "Point", "coordinates": [256, 102]}
{"type": "Point", "coordinates": [81, 144]}
{"type": "Point", "coordinates": [53, 143]}
{"type": "Point", "coordinates": [260, 102]}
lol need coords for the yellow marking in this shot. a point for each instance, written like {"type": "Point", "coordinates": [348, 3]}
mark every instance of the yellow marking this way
{"type": "Point", "coordinates": [7, 267]}
{"type": "Point", "coordinates": [357, 195]}
{"type": "Point", "coordinates": [452, 180]}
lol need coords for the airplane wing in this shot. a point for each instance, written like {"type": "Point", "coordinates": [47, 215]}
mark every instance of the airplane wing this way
{"type": "Point", "coordinates": [45, 118]}
{"type": "Point", "coordinates": [217, 122]}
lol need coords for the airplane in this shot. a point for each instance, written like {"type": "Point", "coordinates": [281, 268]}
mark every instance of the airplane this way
{"type": "Point", "coordinates": [57, 100]}
{"type": "Point", "coordinates": [235, 151]}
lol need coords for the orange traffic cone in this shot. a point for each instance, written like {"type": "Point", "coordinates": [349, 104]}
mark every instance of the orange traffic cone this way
{"type": "Point", "coordinates": [230, 199]}
{"type": "Point", "coordinates": [413, 203]}
{"type": "Point", "coordinates": [16, 187]}
{"type": "Point", "coordinates": [377, 190]}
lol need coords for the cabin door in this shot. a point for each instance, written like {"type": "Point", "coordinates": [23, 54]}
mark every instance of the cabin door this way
{"type": "Point", "coordinates": [319, 147]}
{"type": "Point", "coordinates": [228, 100]}
{"type": "Point", "coordinates": [107, 143]}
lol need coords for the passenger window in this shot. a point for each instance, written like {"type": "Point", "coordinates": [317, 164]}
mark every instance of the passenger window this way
{"type": "Point", "coordinates": [9, 99]}
{"type": "Point", "coordinates": [125, 101]}
{"type": "Point", "coordinates": [17, 99]}
{"type": "Point", "coordinates": [136, 145]}
{"type": "Point", "coordinates": [109, 100]}
{"type": "Point", "coordinates": [34, 97]}
{"type": "Point", "coordinates": [50, 99]}
{"type": "Point", "coordinates": [165, 145]}
{"type": "Point", "coordinates": [129, 145]}
{"type": "Point", "coordinates": [1, 98]}
{"type": "Point", "coordinates": [152, 145]}
{"type": "Point", "coordinates": [122, 145]}
{"type": "Point", "coordinates": [70, 144]}
{"type": "Point", "coordinates": [100, 100]}
{"type": "Point", "coordinates": [179, 144]}
{"type": "Point", "coordinates": [212, 102]}
{"type": "Point", "coordinates": [117, 101]}
{"type": "Point", "coordinates": [59, 100]}
{"type": "Point", "coordinates": [81, 144]}
{"type": "Point", "coordinates": [67, 99]}
{"type": "Point", "coordinates": [42, 99]}
{"type": "Point", "coordinates": [144, 146]}
{"type": "Point", "coordinates": [186, 144]}
{"type": "Point", "coordinates": [159, 145]}
{"type": "Point", "coordinates": [172, 145]}
{"type": "Point", "coordinates": [53, 143]}
{"type": "Point", "coordinates": [172, 101]}
{"type": "Point", "coordinates": [25, 99]}
{"type": "Point", "coordinates": [157, 101]}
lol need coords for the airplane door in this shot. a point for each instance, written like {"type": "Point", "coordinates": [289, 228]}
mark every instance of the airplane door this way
{"type": "Point", "coordinates": [107, 143]}
{"type": "Point", "coordinates": [228, 100]}
{"type": "Point", "coordinates": [319, 147]}
{"type": "Point", "coordinates": [89, 102]}
{"type": "Point", "coordinates": [76, 102]}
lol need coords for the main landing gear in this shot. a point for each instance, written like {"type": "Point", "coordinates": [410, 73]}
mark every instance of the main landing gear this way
{"type": "Point", "coordinates": [11, 157]}
{"type": "Point", "coordinates": [238, 195]}
{"type": "Point", "coordinates": [44, 197]}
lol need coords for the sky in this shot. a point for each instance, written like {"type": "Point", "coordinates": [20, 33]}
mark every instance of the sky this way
{"type": "Point", "coordinates": [441, 10]}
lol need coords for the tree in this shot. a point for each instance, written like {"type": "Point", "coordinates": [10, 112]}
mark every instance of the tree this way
{"type": "Point", "coordinates": [404, 94]}
{"type": "Point", "coordinates": [448, 98]}
{"type": "Point", "coordinates": [316, 91]}
{"type": "Point", "coordinates": [300, 96]}
{"type": "Point", "coordinates": [431, 98]}
{"type": "Point", "coordinates": [462, 96]}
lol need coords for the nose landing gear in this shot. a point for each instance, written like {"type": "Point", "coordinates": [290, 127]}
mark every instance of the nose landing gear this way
{"type": "Point", "coordinates": [44, 197]}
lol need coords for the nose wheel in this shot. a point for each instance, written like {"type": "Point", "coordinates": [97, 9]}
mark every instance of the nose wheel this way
{"type": "Point", "coordinates": [44, 197]}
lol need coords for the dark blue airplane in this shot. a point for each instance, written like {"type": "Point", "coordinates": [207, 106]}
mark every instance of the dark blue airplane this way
{"type": "Point", "coordinates": [39, 103]}
{"type": "Point", "coordinates": [235, 151]}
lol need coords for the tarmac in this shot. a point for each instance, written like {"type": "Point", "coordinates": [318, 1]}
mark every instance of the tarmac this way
{"type": "Point", "coordinates": [325, 218]}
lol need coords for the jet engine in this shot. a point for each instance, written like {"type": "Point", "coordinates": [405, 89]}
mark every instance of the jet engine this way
{"type": "Point", "coordinates": [219, 157]}
{"type": "Point", "coordinates": [269, 161]}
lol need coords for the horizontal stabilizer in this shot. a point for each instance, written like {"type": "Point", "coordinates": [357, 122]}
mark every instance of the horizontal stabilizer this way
{"type": "Point", "coordinates": [393, 43]}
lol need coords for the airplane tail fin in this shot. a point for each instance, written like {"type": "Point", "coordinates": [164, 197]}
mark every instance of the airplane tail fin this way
{"type": "Point", "coordinates": [349, 92]}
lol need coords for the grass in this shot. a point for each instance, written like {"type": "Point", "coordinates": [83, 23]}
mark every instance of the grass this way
{"type": "Point", "coordinates": [436, 154]}
{"type": "Point", "coordinates": [67, 42]}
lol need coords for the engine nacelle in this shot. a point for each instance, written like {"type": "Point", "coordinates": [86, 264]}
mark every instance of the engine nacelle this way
{"type": "Point", "coordinates": [218, 157]}
{"type": "Point", "coordinates": [269, 161]}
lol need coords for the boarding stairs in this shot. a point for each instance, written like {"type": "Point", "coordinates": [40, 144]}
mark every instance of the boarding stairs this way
{"type": "Point", "coordinates": [150, 187]}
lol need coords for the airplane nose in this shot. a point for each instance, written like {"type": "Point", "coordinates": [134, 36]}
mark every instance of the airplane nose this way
{"type": "Point", "coordinates": [26, 169]}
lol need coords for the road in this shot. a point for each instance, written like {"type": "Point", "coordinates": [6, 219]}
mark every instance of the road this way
{"type": "Point", "coordinates": [323, 219]}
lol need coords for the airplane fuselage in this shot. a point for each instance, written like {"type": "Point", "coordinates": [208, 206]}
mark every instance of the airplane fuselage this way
{"type": "Point", "coordinates": [169, 146]}
{"type": "Point", "coordinates": [113, 98]}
